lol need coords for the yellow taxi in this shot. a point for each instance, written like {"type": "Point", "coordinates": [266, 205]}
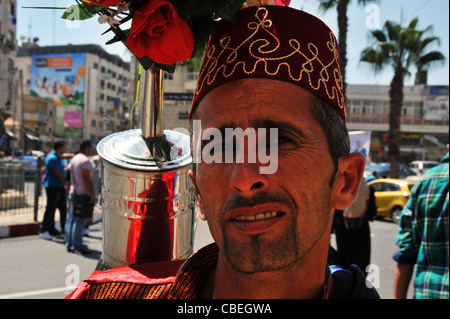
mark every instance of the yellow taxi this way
{"type": "Point", "coordinates": [391, 195]}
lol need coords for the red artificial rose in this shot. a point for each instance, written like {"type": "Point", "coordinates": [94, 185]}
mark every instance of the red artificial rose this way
{"type": "Point", "coordinates": [105, 3]}
{"type": "Point", "coordinates": [158, 32]}
{"type": "Point", "coordinates": [282, 2]}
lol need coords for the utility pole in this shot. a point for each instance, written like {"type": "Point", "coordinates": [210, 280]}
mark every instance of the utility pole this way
{"type": "Point", "coordinates": [22, 105]}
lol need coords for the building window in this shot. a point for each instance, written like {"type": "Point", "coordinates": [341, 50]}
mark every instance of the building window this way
{"type": "Point", "coordinates": [168, 76]}
{"type": "Point", "coordinates": [93, 123]}
{"type": "Point", "coordinates": [367, 102]}
{"type": "Point", "coordinates": [183, 115]}
{"type": "Point", "coordinates": [192, 76]}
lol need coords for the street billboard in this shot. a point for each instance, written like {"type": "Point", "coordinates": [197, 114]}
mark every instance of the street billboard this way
{"type": "Point", "coordinates": [360, 142]}
{"type": "Point", "coordinates": [436, 108]}
{"type": "Point", "coordinates": [73, 119]}
{"type": "Point", "coordinates": [61, 78]}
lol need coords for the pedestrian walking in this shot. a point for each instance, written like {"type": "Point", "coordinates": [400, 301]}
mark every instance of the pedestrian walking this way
{"type": "Point", "coordinates": [353, 230]}
{"type": "Point", "coordinates": [423, 237]}
{"type": "Point", "coordinates": [81, 198]}
{"type": "Point", "coordinates": [372, 177]}
{"type": "Point", "coordinates": [55, 190]}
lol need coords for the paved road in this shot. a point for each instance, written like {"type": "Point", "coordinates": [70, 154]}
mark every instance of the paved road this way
{"type": "Point", "coordinates": [383, 235]}
{"type": "Point", "coordinates": [32, 267]}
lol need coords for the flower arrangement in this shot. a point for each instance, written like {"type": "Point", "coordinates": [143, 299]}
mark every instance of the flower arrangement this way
{"type": "Point", "coordinates": [162, 32]}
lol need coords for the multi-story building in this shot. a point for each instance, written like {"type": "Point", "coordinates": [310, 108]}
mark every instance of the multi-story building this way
{"type": "Point", "coordinates": [8, 44]}
{"type": "Point", "coordinates": [89, 88]}
{"type": "Point", "coordinates": [424, 121]}
{"type": "Point", "coordinates": [179, 89]}
{"type": "Point", "coordinates": [32, 129]}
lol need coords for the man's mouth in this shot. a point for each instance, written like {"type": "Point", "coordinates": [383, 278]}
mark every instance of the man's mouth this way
{"type": "Point", "coordinates": [260, 216]}
{"type": "Point", "coordinates": [257, 219]}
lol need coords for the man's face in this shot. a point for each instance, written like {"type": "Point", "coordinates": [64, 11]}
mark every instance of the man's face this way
{"type": "Point", "coordinates": [62, 149]}
{"type": "Point", "coordinates": [266, 222]}
{"type": "Point", "coordinates": [89, 150]}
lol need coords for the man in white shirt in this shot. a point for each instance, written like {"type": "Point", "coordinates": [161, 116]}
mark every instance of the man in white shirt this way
{"type": "Point", "coordinates": [81, 178]}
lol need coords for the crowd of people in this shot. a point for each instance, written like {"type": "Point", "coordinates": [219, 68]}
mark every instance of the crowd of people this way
{"type": "Point", "coordinates": [423, 232]}
{"type": "Point", "coordinates": [70, 189]}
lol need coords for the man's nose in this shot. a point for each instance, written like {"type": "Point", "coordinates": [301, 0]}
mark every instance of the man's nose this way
{"type": "Point", "coordinates": [247, 180]}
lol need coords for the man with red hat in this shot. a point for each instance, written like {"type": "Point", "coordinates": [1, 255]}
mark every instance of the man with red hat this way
{"type": "Point", "coordinates": [273, 67]}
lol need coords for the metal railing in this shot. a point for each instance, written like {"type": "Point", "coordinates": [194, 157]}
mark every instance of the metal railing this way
{"type": "Point", "coordinates": [20, 187]}
{"type": "Point", "coordinates": [378, 118]}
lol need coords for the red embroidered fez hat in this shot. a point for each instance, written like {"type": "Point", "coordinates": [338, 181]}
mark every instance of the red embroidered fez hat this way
{"type": "Point", "coordinates": [273, 42]}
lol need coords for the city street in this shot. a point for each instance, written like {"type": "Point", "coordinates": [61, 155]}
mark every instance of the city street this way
{"type": "Point", "coordinates": [32, 267]}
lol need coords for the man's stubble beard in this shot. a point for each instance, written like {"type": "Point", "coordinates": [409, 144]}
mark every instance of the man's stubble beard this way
{"type": "Point", "coordinates": [261, 255]}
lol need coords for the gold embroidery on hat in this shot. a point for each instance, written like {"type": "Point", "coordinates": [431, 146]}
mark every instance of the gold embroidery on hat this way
{"type": "Point", "coordinates": [261, 47]}
{"type": "Point", "coordinates": [251, 3]}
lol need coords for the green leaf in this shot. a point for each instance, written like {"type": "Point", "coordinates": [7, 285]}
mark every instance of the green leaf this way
{"type": "Point", "coordinates": [169, 68]}
{"type": "Point", "coordinates": [120, 36]}
{"type": "Point", "coordinates": [146, 62]}
{"type": "Point", "coordinates": [81, 12]}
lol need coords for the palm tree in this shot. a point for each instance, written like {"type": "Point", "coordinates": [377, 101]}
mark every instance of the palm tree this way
{"type": "Point", "coordinates": [399, 47]}
{"type": "Point", "coordinates": [341, 6]}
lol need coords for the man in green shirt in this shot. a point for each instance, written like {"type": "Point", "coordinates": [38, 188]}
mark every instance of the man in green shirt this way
{"type": "Point", "coordinates": [423, 238]}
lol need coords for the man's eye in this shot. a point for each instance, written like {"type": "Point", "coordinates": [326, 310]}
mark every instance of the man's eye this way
{"type": "Point", "coordinates": [284, 140]}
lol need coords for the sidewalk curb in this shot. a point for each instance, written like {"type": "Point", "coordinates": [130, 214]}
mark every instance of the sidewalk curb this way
{"type": "Point", "coordinates": [16, 230]}
{"type": "Point", "coordinates": [19, 230]}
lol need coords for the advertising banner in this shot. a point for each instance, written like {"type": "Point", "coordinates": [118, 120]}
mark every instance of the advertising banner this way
{"type": "Point", "coordinates": [360, 142]}
{"type": "Point", "coordinates": [73, 119]}
{"type": "Point", "coordinates": [436, 108]}
{"type": "Point", "coordinates": [59, 77]}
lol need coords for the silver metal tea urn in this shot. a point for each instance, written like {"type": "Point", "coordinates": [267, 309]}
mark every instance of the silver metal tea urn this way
{"type": "Point", "coordinates": [147, 196]}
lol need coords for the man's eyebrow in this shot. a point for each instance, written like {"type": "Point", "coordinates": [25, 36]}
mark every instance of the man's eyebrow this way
{"type": "Point", "coordinates": [261, 123]}
{"type": "Point", "coordinates": [281, 126]}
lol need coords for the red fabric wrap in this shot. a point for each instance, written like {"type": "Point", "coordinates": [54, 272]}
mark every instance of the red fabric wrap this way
{"type": "Point", "coordinates": [274, 42]}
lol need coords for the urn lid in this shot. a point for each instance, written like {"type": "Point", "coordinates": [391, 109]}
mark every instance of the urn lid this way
{"type": "Point", "coordinates": [130, 150]}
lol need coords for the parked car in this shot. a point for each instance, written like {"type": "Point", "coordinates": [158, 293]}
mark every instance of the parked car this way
{"type": "Point", "coordinates": [420, 167]}
{"type": "Point", "coordinates": [30, 166]}
{"type": "Point", "coordinates": [390, 196]}
{"type": "Point", "coordinates": [384, 170]}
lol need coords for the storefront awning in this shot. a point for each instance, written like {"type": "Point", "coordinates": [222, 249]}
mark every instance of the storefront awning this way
{"type": "Point", "coordinates": [31, 137]}
{"type": "Point", "coordinates": [10, 134]}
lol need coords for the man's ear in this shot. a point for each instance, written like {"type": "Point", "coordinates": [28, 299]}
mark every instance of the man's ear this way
{"type": "Point", "coordinates": [348, 177]}
{"type": "Point", "coordinates": [197, 195]}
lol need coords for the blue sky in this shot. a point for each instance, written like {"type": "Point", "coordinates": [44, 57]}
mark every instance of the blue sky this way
{"type": "Point", "coordinates": [52, 30]}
